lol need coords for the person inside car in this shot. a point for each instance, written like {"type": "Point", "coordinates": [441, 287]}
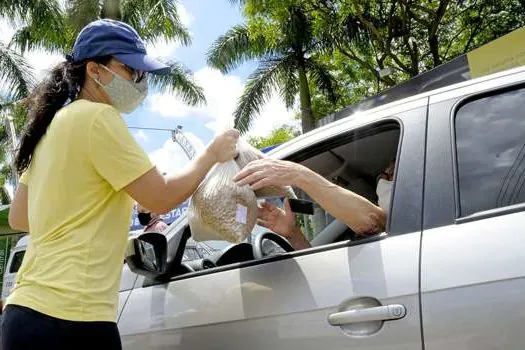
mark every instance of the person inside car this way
{"type": "Point", "coordinates": [358, 213]}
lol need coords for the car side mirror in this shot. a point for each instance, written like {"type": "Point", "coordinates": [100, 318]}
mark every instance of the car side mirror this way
{"type": "Point", "coordinates": [147, 253]}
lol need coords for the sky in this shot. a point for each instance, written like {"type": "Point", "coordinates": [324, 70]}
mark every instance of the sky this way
{"type": "Point", "coordinates": [206, 21]}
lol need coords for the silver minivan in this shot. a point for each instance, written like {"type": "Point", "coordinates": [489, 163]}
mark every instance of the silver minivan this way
{"type": "Point", "coordinates": [448, 273]}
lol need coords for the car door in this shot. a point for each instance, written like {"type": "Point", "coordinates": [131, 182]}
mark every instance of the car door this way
{"type": "Point", "coordinates": [473, 265]}
{"type": "Point", "coordinates": [127, 281]}
{"type": "Point", "coordinates": [286, 301]}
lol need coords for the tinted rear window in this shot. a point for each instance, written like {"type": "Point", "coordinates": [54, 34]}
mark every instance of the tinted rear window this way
{"type": "Point", "coordinates": [17, 261]}
{"type": "Point", "coordinates": [490, 141]}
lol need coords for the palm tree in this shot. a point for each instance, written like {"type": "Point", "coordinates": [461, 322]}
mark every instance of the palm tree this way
{"type": "Point", "coordinates": [15, 73]}
{"type": "Point", "coordinates": [50, 27]}
{"type": "Point", "coordinates": [12, 117]}
{"type": "Point", "coordinates": [5, 171]}
{"type": "Point", "coordinates": [16, 77]}
{"type": "Point", "coordinates": [287, 64]}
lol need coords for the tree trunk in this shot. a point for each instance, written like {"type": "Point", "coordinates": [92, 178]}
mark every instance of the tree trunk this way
{"type": "Point", "coordinates": [434, 49]}
{"type": "Point", "coordinates": [111, 9]}
{"type": "Point", "coordinates": [307, 116]}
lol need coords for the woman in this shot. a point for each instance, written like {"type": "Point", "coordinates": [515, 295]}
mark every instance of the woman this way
{"type": "Point", "coordinates": [82, 171]}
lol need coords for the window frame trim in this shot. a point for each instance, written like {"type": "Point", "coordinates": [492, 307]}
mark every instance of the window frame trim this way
{"type": "Point", "coordinates": [461, 102]}
{"type": "Point", "coordinates": [368, 129]}
{"type": "Point", "coordinates": [267, 260]}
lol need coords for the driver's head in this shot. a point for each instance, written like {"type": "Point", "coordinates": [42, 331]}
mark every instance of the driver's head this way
{"type": "Point", "coordinates": [384, 186]}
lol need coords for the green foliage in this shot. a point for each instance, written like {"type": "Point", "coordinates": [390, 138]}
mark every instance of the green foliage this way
{"type": "Point", "coordinates": [48, 26]}
{"type": "Point", "coordinates": [17, 113]}
{"type": "Point", "coordinates": [237, 46]}
{"type": "Point", "coordinates": [155, 19]}
{"type": "Point", "coordinates": [277, 136]}
{"type": "Point", "coordinates": [279, 35]}
{"type": "Point", "coordinates": [409, 37]}
{"type": "Point", "coordinates": [180, 82]}
{"type": "Point", "coordinates": [43, 25]}
{"type": "Point", "coordinates": [15, 72]}
{"type": "Point", "coordinates": [53, 26]}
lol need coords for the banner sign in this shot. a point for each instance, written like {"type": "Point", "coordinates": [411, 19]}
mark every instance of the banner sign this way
{"type": "Point", "coordinates": [498, 55]}
{"type": "Point", "coordinates": [168, 218]}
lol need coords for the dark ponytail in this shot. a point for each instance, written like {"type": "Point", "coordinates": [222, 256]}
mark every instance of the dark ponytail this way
{"type": "Point", "coordinates": [60, 87]}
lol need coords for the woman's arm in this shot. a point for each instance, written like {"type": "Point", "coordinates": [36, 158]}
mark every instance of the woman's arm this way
{"type": "Point", "coordinates": [161, 194]}
{"type": "Point", "coordinates": [18, 219]}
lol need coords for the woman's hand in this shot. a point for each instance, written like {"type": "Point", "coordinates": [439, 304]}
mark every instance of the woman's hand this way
{"type": "Point", "coordinates": [269, 172]}
{"type": "Point", "coordinates": [223, 147]}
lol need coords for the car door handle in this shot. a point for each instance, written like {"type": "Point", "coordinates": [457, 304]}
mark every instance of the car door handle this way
{"type": "Point", "coordinates": [378, 313]}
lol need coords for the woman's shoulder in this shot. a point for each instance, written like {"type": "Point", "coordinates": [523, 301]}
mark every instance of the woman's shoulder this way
{"type": "Point", "coordinates": [87, 107]}
{"type": "Point", "coordinates": [82, 114]}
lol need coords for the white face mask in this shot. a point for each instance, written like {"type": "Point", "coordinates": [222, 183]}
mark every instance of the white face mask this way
{"type": "Point", "coordinates": [384, 194]}
{"type": "Point", "coordinates": [125, 95]}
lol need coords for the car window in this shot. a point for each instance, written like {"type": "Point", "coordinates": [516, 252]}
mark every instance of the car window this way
{"type": "Point", "coordinates": [18, 257]}
{"type": "Point", "coordinates": [190, 254]}
{"type": "Point", "coordinates": [197, 250]}
{"type": "Point", "coordinates": [490, 143]}
{"type": "Point", "coordinates": [354, 160]}
{"type": "Point", "coordinates": [354, 165]}
{"type": "Point", "coordinates": [311, 225]}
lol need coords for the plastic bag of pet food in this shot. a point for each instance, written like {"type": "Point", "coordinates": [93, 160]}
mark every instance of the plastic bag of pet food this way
{"type": "Point", "coordinates": [247, 154]}
{"type": "Point", "coordinates": [221, 210]}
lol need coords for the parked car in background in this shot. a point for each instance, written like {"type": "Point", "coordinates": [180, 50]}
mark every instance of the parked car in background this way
{"type": "Point", "coordinates": [13, 264]}
{"type": "Point", "coordinates": [194, 251]}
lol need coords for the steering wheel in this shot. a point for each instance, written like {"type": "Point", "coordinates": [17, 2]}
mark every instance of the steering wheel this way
{"type": "Point", "coordinates": [258, 243]}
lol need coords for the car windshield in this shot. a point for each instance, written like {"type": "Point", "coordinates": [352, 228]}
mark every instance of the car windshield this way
{"type": "Point", "coordinates": [198, 250]}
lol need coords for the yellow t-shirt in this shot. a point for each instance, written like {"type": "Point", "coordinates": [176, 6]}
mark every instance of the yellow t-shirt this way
{"type": "Point", "coordinates": [79, 216]}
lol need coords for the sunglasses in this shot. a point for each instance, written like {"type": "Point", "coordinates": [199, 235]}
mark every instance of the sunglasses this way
{"type": "Point", "coordinates": [136, 75]}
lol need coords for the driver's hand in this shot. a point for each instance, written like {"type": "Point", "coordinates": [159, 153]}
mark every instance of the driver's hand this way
{"type": "Point", "coordinates": [276, 219]}
{"type": "Point", "coordinates": [283, 223]}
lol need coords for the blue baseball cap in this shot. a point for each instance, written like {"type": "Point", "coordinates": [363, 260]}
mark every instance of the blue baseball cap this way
{"type": "Point", "coordinates": [107, 37]}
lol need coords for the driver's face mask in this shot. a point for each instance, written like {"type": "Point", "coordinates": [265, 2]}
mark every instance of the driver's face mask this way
{"type": "Point", "coordinates": [125, 95]}
{"type": "Point", "coordinates": [384, 194]}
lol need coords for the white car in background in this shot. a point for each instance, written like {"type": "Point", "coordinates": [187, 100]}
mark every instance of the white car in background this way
{"type": "Point", "coordinates": [13, 264]}
{"type": "Point", "coordinates": [194, 251]}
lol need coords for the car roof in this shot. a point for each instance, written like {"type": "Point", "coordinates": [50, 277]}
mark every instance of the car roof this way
{"type": "Point", "coordinates": [368, 115]}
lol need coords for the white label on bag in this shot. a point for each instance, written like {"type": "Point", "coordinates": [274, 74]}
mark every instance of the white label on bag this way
{"type": "Point", "coordinates": [241, 214]}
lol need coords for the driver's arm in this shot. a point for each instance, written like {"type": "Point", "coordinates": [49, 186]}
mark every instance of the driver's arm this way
{"type": "Point", "coordinates": [297, 239]}
{"type": "Point", "coordinates": [357, 212]}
